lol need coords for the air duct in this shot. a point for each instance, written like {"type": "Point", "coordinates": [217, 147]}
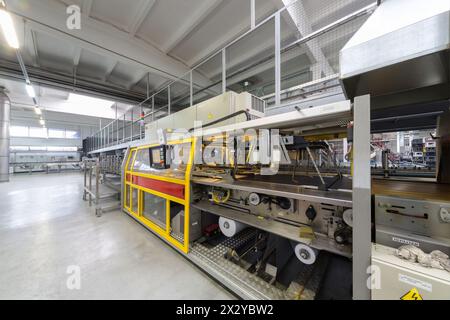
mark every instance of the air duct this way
{"type": "Point", "coordinates": [401, 51]}
{"type": "Point", "coordinates": [5, 109]}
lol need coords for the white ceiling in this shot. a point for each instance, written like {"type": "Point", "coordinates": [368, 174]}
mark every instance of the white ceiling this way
{"type": "Point", "coordinates": [62, 101]}
{"type": "Point", "coordinates": [124, 44]}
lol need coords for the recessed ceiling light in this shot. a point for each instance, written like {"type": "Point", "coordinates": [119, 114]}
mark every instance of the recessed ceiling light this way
{"type": "Point", "coordinates": [30, 90]}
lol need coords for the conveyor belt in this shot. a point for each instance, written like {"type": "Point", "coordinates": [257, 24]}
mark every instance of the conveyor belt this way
{"type": "Point", "coordinates": [333, 197]}
{"type": "Point", "coordinates": [411, 189]}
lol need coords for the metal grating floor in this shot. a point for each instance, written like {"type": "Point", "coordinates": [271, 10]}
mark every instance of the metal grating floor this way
{"type": "Point", "coordinates": [247, 285]}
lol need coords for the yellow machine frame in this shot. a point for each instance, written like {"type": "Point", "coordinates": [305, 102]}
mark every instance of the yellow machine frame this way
{"type": "Point", "coordinates": [163, 233]}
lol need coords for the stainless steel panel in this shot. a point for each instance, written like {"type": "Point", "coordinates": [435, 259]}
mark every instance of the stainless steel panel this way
{"type": "Point", "coordinates": [5, 109]}
{"type": "Point", "coordinates": [396, 51]}
{"type": "Point", "coordinates": [396, 238]}
{"type": "Point", "coordinates": [321, 242]}
{"type": "Point", "coordinates": [337, 198]}
{"type": "Point", "coordinates": [415, 216]}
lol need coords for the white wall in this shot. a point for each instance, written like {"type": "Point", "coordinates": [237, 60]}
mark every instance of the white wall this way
{"type": "Point", "coordinates": [54, 120]}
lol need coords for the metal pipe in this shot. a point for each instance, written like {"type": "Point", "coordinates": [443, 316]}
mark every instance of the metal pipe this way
{"type": "Point", "coordinates": [5, 113]}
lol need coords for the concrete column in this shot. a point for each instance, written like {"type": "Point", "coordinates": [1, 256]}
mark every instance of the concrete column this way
{"type": "Point", "coordinates": [5, 110]}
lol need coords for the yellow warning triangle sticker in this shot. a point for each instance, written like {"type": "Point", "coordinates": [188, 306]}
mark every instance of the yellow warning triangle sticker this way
{"type": "Point", "coordinates": [412, 294]}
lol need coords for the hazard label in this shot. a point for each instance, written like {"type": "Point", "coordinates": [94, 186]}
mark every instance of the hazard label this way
{"type": "Point", "coordinates": [412, 294]}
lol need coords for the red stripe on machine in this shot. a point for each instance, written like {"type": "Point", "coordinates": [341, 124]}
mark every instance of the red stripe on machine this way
{"type": "Point", "coordinates": [168, 188]}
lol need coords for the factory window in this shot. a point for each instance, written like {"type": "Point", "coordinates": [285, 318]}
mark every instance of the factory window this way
{"type": "Point", "coordinates": [56, 133]}
{"type": "Point", "coordinates": [19, 148]}
{"type": "Point", "coordinates": [38, 148]}
{"type": "Point", "coordinates": [38, 132]}
{"type": "Point", "coordinates": [72, 134]}
{"type": "Point", "coordinates": [55, 149]}
{"type": "Point", "coordinates": [18, 131]}
{"type": "Point", "coordinates": [154, 209]}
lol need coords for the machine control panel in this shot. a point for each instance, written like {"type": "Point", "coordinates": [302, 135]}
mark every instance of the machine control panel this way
{"type": "Point", "coordinates": [158, 158]}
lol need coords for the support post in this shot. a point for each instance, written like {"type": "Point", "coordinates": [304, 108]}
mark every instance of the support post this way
{"type": "Point", "coordinates": [362, 246]}
{"type": "Point", "coordinates": [224, 71]}
{"type": "Point", "coordinates": [191, 89]}
{"type": "Point", "coordinates": [132, 124]}
{"type": "Point", "coordinates": [168, 100]}
{"type": "Point", "coordinates": [277, 60]}
{"type": "Point", "coordinates": [252, 14]}
{"type": "Point", "coordinates": [153, 107]}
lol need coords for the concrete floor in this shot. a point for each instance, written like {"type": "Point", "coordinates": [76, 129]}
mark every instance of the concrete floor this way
{"type": "Point", "coordinates": [45, 227]}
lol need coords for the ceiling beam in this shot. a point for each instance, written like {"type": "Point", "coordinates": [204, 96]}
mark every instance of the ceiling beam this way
{"type": "Point", "coordinates": [144, 10]}
{"type": "Point", "coordinates": [136, 80]}
{"type": "Point", "coordinates": [193, 21]}
{"type": "Point", "coordinates": [110, 70]}
{"type": "Point", "coordinates": [86, 7]}
{"type": "Point", "coordinates": [230, 35]}
{"type": "Point", "coordinates": [100, 38]}
{"type": "Point", "coordinates": [30, 43]}
{"type": "Point", "coordinates": [77, 56]}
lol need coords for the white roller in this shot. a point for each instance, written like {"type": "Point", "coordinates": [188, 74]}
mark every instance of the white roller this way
{"type": "Point", "coordinates": [305, 254]}
{"type": "Point", "coordinates": [230, 227]}
{"type": "Point", "coordinates": [348, 217]}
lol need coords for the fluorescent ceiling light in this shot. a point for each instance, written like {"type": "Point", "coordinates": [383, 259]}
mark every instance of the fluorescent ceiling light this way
{"type": "Point", "coordinates": [8, 29]}
{"type": "Point", "coordinates": [85, 105]}
{"type": "Point", "coordinates": [37, 110]}
{"type": "Point", "coordinates": [30, 90]}
{"type": "Point", "coordinates": [89, 102]}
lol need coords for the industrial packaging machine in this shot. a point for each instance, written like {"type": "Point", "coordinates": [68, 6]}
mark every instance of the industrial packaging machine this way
{"type": "Point", "coordinates": [264, 232]}
{"type": "Point", "coordinates": [281, 229]}
{"type": "Point", "coordinates": [263, 205]}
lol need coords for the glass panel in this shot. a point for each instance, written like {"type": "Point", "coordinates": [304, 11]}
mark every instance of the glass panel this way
{"type": "Point", "coordinates": [134, 201]}
{"type": "Point", "coordinates": [142, 162]}
{"type": "Point", "coordinates": [162, 108]}
{"type": "Point", "coordinates": [17, 131]}
{"type": "Point", "coordinates": [154, 209]}
{"type": "Point", "coordinates": [207, 79]}
{"type": "Point", "coordinates": [178, 155]}
{"type": "Point", "coordinates": [38, 132]}
{"type": "Point", "coordinates": [130, 161]}
{"type": "Point", "coordinates": [177, 220]}
{"type": "Point", "coordinates": [318, 58]}
{"type": "Point", "coordinates": [127, 196]}
{"type": "Point", "coordinates": [251, 62]}
{"type": "Point", "coordinates": [180, 94]}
